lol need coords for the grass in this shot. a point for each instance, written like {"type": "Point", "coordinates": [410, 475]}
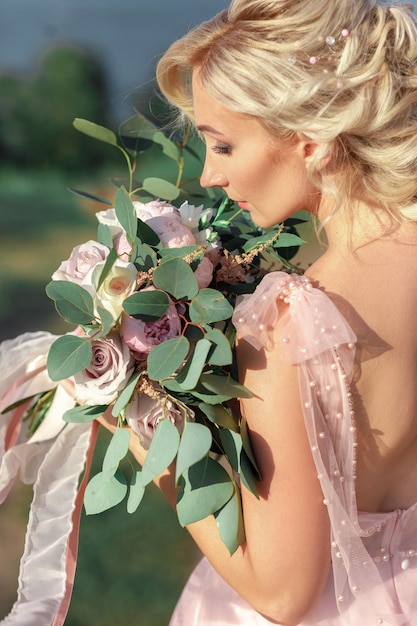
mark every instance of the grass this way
{"type": "Point", "coordinates": [131, 568]}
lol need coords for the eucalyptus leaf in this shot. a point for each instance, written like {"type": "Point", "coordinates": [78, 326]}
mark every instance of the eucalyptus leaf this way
{"type": "Point", "coordinates": [147, 306]}
{"type": "Point", "coordinates": [136, 134]}
{"type": "Point", "coordinates": [165, 358]}
{"type": "Point", "coordinates": [116, 451]}
{"type": "Point", "coordinates": [247, 446]}
{"type": "Point", "coordinates": [178, 252]}
{"type": "Point", "coordinates": [94, 130]}
{"type": "Point", "coordinates": [287, 240]}
{"type": "Point", "coordinates": [162, 451]}
{"type": "Point", "coordinates": [248, 474]}
{"type": "Point", "coordinates": [107, 267]}
{"type": "Point", "coordinates": [143, 256]}
{"type": "Point", "coordinates": [206, 489]}
{"type": "Point", "coordinates": [107, 321]}
{"type": "Point", "coordinates": [232, 444]}
{"type": "Point", "coordinates": [67, 356]}
{"type": "Point", "coordinates": [176, 277]}
{"type": "Point", "coordinates": [219, 415]}
{"type": "Point", "coordinates": [230, 523]}
{"type": "Point", "coordinates": [73, 302]}
{"type": "Point", "coordinates": [104, 235]}
{"type": "Point", "coordinates": [137, 126]}
{"type": "Point", "coordinates": [224, 385]}
{"type": "Point", "coordinates": [221, 352]}
{"type": "Point", "coordinates": [126, 394]}
{"type": "Point", "coordinates": [189, 375]}
{"type": "Point", "coordinates": [169, 147]}
{"type": "Point", "coordinates": [136, 492]}
{"type": "Point", "coordinates": [82, 414]}
{"type": "Point", "coordinates": [90, 196]}
{"type": "Point", "coordinates": [210, 306]}
{"type": "Point", "coordinates": [161, 188]}
{"type": "Point", "coordinates": [147, 235]}
{"type": "Point", "coordinates": [195, 443]}
{"type": "Point", "coordinates": [209, 397]}
{"type": "Point", "coordinates": [103, 493]}
{"type": "Point", "coordinates": [194, 332]}
{"type": "Point", "coordinates": [126, 214]}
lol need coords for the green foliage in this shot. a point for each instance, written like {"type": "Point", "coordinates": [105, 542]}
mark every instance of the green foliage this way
{"type": "Point", "coordinates": [147, 306]}
{"type": "Point", "coordinates": [126, 214]}
{"type": "Point", "coordinates": [210, 306]}
{"type": "Point", "coordinates": [190, 371]}
{"type": "Point", "coordinates": [73, 302]}
{"type": "Point", "coordinates": [103, 493]}
{"type": "Point", "coordinates": [167, 357]}
{"type": "Point", "coordinates": [162, 451]}
{"type": "Point", "coordinates": [177, 278]}
{"type": "Point", "coordinates": [206, 488]}
{"type": "Point", "coordinates": [194, 446]}
{"type": "Point", "coordinates": [67, 355]}
{"type": "Point", "coordinates": [82, 414]}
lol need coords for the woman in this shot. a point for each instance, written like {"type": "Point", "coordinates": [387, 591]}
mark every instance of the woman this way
{"type": "Point", "coordinates": [313, 105]}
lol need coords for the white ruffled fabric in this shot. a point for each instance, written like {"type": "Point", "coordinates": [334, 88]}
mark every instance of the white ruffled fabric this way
{"type": "Point", "coordinates": [53, 459]}
{"type": "Point", "coordinates": [374, 573]}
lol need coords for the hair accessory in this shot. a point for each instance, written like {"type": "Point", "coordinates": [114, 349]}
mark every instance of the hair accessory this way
{"type": "Point", "coordinates": [332, 42]}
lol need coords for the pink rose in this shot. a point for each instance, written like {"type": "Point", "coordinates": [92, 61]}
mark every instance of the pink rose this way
{"type": "Point", "coordinates": [171, 231]}
{"type": "Point", "coordinates": [165, 220]}
{"type": "Point", "coordinates": [141, 336]}
{"type": "Point", "coordinates": [144, 413]}
{"type": "Point", "coordinates": [81, 262]}
{"type": "Point", "coordinates": [109, 371]}
{"type": "Point", "coordinates": [204, 273]}
{"type": "Point", "coordinates": [146, 210]}
{"type": "Point", "coordinates": [162, 217]}
{"type": "Point", "coordinates": [122, 246]}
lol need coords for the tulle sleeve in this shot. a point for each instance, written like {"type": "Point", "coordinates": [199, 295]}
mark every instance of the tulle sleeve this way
{"type": "Point", "coordinates": [317, 339]}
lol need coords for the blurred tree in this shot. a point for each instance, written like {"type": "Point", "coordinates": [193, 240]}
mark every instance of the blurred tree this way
{"type": "Point", "coordinates": [36, 114]}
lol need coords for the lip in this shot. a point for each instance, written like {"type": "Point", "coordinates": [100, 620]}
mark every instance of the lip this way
{"type": "Point", "coordinates": [243, 204]}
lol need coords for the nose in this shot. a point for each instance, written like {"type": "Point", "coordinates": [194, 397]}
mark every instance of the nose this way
{"type": "Point", "coordinates": [212, 176]}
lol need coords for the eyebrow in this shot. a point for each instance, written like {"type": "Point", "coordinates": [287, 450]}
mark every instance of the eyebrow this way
{"type": "Point", "coordinates": [203, 128]}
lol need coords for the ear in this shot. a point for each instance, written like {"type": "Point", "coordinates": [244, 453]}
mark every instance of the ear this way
{"type": "Point", "coordinates": [315, 154]}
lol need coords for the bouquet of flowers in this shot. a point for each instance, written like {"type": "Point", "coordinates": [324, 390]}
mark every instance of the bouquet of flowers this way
{"type": "Point", "coordinates": [151, 302]}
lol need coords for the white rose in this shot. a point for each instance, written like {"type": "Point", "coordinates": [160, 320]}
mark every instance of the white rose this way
{"type": "Point", "coordinates": [119, 283]}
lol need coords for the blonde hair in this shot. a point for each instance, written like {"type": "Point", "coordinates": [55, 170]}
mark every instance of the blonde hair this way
{"type": "Point", "coordinates": [287, 63]}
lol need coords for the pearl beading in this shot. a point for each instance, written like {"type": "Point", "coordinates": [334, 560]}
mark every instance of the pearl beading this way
{"type": "Point", "coordinates": [385, 557]}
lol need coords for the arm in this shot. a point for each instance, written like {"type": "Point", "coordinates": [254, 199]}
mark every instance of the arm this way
{"type": "Point", "coordinates": [283, 565]}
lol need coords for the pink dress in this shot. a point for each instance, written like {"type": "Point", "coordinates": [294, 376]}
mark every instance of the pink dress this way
{"type": "Point", "coordinates": [373, 578]}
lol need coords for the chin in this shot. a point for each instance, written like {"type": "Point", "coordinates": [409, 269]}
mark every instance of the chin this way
{"type": "Point", "coordinates": [263, 223]}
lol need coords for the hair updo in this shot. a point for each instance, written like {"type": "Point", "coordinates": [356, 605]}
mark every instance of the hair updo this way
{"type": "Point", "coordinates": [343, 72]}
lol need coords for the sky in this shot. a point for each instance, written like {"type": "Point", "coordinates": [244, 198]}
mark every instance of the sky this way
{"type": "Point", "coordinates": [128, 35]}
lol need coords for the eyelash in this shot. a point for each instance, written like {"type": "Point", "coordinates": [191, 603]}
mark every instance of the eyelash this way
{"type": "Point", "coordinates": [221, 149]}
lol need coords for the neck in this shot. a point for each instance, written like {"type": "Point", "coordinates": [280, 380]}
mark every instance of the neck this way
{"type": "Point", "coordinates": [356, 226]}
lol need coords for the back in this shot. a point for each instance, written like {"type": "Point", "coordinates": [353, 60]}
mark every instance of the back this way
{"type": "Point", "coordinates": [376, 291]}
